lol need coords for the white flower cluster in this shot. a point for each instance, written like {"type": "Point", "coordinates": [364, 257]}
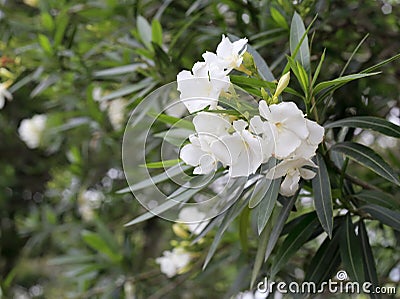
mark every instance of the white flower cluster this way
{"type": "Point", "coordinates": [31, 130]}
{"type": "Point", "coordinates": [173, 262]}
{"type": "Point", "coordinates": [202, 86]}
{"type": "Point", "coordinates": [280, 130]}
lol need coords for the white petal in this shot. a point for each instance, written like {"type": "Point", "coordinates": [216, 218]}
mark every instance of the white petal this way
{"type": "Point", "coordinates": [307, 174]}
{"type": "Point", "coordinates": [2, 101]}
{"type": "Point", "coordinates": [225, 47]}
{"type": "Point", "coordinates": [290, 184]}
{"type": "Point", "coordinates": [305, 150]}
{"type": "Point", "coordinates": [256, 125]}
{"type": "Point", "coordinates": [207, 164]}
{"type": "Point", "coordinates": [240, 46]}
{"type": "Point", "coordinates": [191, 154]}
{"type": "Point", "coordinates": [264, 110]}
{"type": "Point", "coordinates": [227, 149]}
{"type": "Point", "coordinates": [239, 125]}
{"type": "Point", "coordinates": [241, 167]}
{"type": "Point", "coordinates": [286, 143]}
{"type": "Point", "coordinates": [215, 124]}
{"type": "Point", "coordinates": [210, 58]}
{"type": "Point", "coordinates": [316, 132]}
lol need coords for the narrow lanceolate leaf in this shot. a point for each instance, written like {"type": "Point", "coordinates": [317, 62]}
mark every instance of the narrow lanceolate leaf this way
{"type": "Point", "coordinates": [325, 261]}
{"type": "Point", "coordinates": [161, 164]}
{"type": "Point", "coordinates": [262, 246]}
{"type": "Point", "coordinates": [277, 229]}
{"type": "Point", "coordinates": [230, 215]}
{"type": "Point", "coordinates": [260, 190]}
{"type": "Point", "coordinates": [368, 158]}
{"type": "Point", "coordinates": [369, 262]}
{"type": "Point", "coordinates": [295, 239]}
{"type": "Point", "coordinates": [297, 31]}
{"type": "Point", "coordinates": [384, 215]}
{"type": "Point", "coordinates": [350, 251]}
{"type": "Point", "coordinates": [168, 174]}
{"type": "Point", "coordinates": [168, 204]}
{"type": "Point", "coordinates": [144, 30]}
{"type": "Point", "coordinates": [322, 196]}
{"type": "Point", "coordinates": [267, 204]}
{"type": "Point", "coordinates": [378, 198]}
{"type": "Point", "coordinates": [368, 122]}
{"type": "Point", "coordinates": [100, 245]}
{"type": "Point", "coordinates": [332, 84]}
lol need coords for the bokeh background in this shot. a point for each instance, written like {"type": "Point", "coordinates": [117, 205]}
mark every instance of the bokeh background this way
{"type": "Point", "coordinates": [84, 65]}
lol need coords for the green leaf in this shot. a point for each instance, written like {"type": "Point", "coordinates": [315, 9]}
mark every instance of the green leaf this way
{"type": "Point", "coordinates": [100, 245]}
{"type": "Point", "coordinates": [367, 122]}
{"type": "Point", "coordinates": [170, 202]}
{"type": "Point", "coordinates": [295, 239]}
{"type": "Point", "coordinates": [47, 21]}
{"type": "Point", "coordinates": [369, 262]}
{"type": "Point", "coordinates": [300, 73]}
{"type": "Point", "coordinates": [176, 137]}
{"type": "Point", "coordinates": [380, 64]}
{"type": "Point", "coordinates": [260, 190]}
{"type": "Point", "coordinates": [350, 251]}
{"type": "Point", "coordinates": [61, 21]}
{"type": "Point", "coordinates": [322, 196]}
{"type": "Point", "coordinates": [128, 89]}
{"type": "Point", "coordinates": [156, 32]}
{"type": "Point", "coordinates": [119, 70]}
{"type": "Point", "coordinates": [267, 204]}
{"type": "Point", "coordinates": [378, 198]}
{"type": "Point", "coordinates": [145, 31]}
{"type": "Point", "coordinates": [297, 33]}
{"type": "Point", "coordinates": [324, 262]}
{"type": "Point", "coordinates": [338, 82]}
{"type": "Point", "coordinates": [368, 158]}
{"type": "Point", "coordinates": [384, 215]}
{"type": "Point", "coordinates": [261, 248]}
{"type": "Point", "coordinates": [243, 229]}
{"type": "Point", "coordinates": [318, 69]}
{"type": "Point", "coordinates": [253, 82]}
{"type": "Point", "coordinates": [279, 18]}
{"type": "Point", "coordinates": [169, 173]}
{"type": "Point", "coordinates": [230, 215]}
{"type": "Point", "coordinates": [45, 43]}
{"type": "Point", "coordinates": [161, 164]}
{"type": "Point", "coordinates": [171, 120]}
{"type": "Point", "coordinates": [278, 226]}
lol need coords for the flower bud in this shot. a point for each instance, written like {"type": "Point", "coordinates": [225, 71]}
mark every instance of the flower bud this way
{"type": "Point", "coordinates": [282, 84]}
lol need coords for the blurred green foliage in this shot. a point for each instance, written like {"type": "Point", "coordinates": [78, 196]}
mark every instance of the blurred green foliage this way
{"type": "Point", "coordinates": [59, 53]}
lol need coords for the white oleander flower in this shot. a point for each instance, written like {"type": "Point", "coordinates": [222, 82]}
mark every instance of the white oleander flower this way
{"type": "Point", "coordinates": [202, 87]}
{"type": "Point", "coordinates": [31, 130]}
{"type": "Point", "coordinates": [210, 127]}
{"type": "Point", "coordinates": [228, 55]}
{"type": "Point", "coordinates": [194, 219]}
{"type": "Point", "coordinates": [242, 151]}
{"type": "Point", "coordinates": [287, 124]}
{"type": "Point", "coordinates": [4, 95]}
{"type": "Point", "coordinates": [173, 262]}
{"type": "Point", "coordinates": [292, 169]}
{"type": "Point", "coordinates": [309, 146]}
{"type": "Point", "coordinates": [116, 113]}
